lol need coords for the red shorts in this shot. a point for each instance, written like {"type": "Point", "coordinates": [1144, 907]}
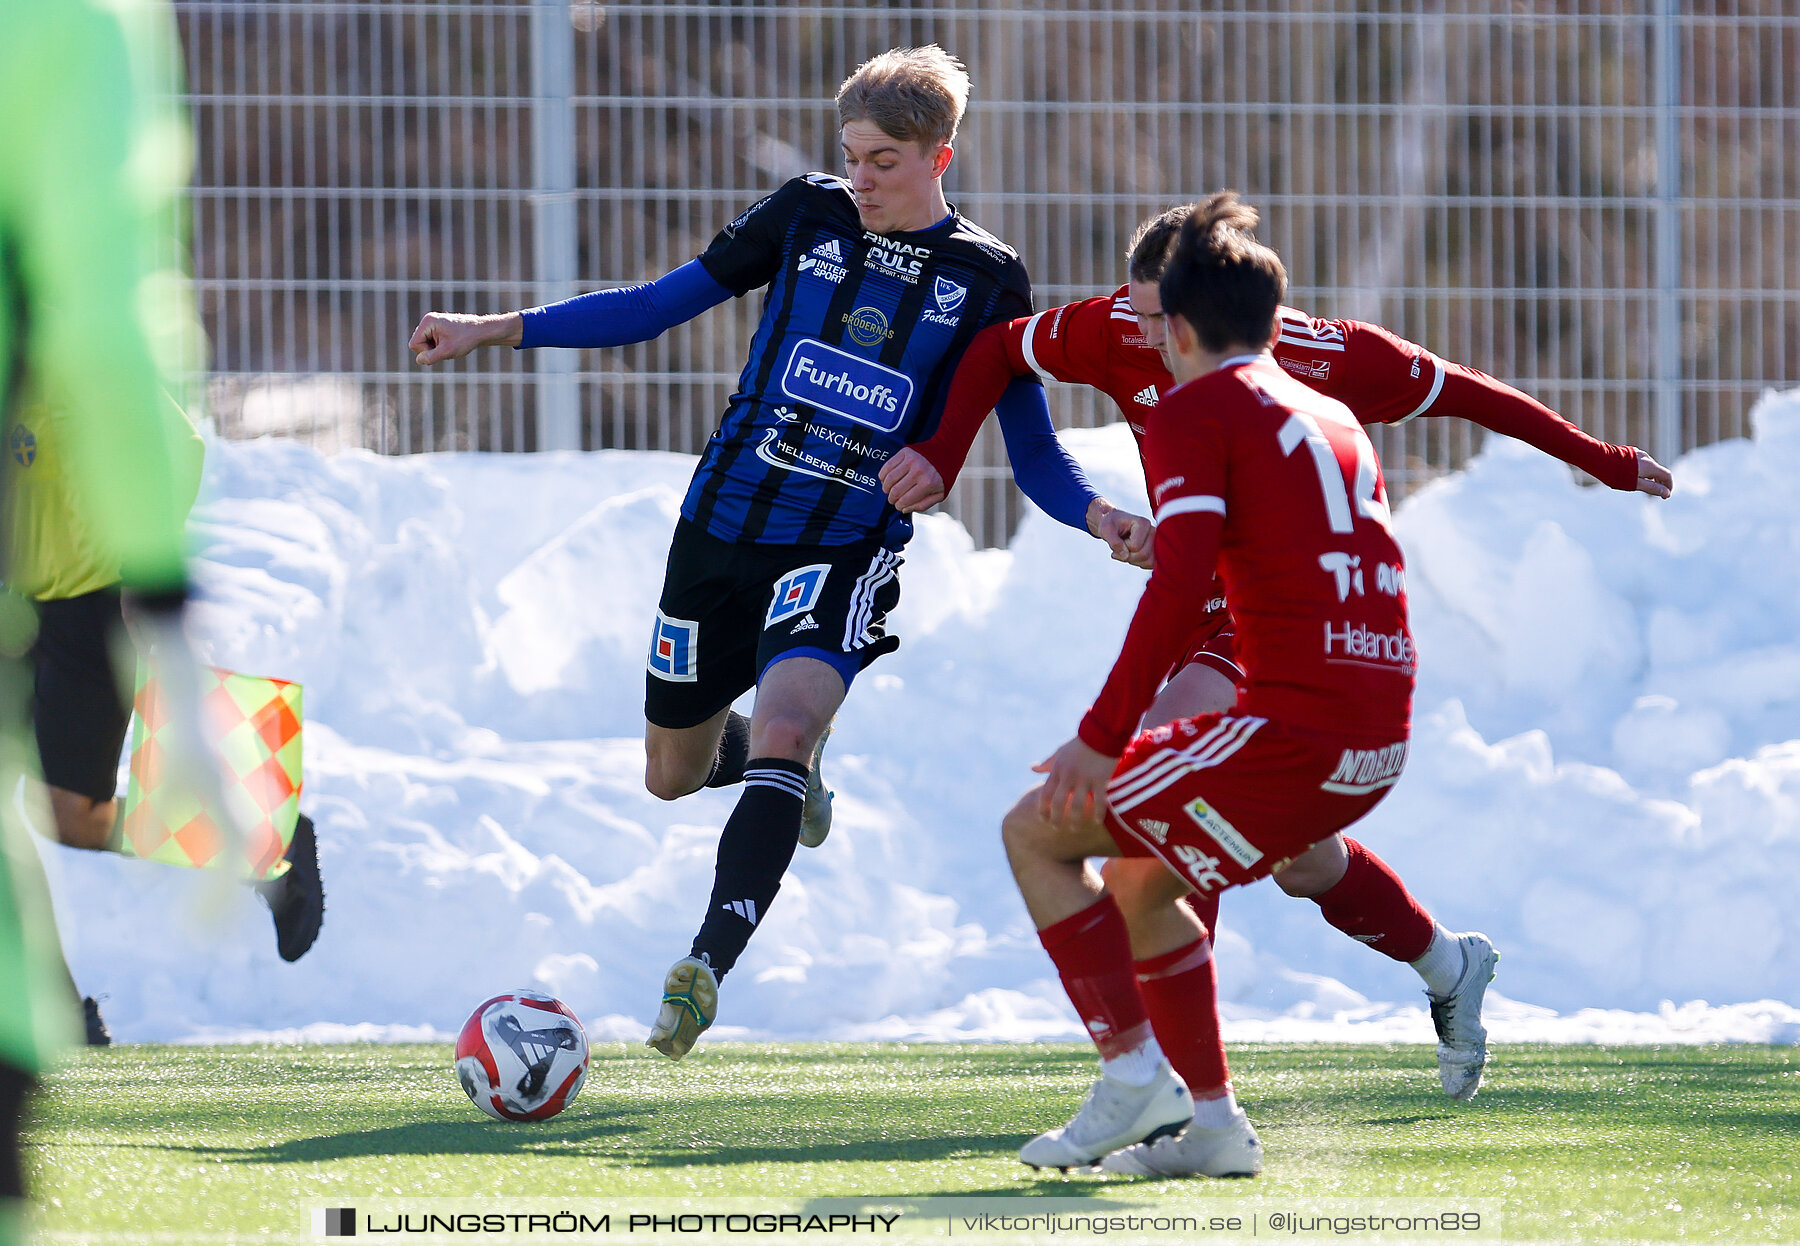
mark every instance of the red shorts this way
{"type": "Point", "coordinates": [1225, 800]}
{"type": "Point", "coordinates": [1213, 644]}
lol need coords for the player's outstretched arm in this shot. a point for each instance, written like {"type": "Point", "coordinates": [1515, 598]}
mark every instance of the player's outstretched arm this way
{"type": "Point", "coordinates": [443, 336]}
{"type": "Point", "coordinates": [986, 368]}
{"type": "Point", "coordinates": [1498, 407]}
{"type": "Point", "coordinates": [616, 317]}
{"type": "Point", "coordinates": [1653, 478]}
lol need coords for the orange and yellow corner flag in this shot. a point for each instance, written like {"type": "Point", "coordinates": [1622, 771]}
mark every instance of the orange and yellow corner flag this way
{"type": "Point", "coordinates": [254, 725]}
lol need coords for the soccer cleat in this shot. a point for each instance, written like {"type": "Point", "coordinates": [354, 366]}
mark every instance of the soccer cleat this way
{"type": "Point", "coordinates": [297, 898]}
{"type": "Point", "coordinates": [97, 1033]}
{"type": "Point", "coordinates": [1114, 1115]}
{"type": "Point", "coordinates": [815, 815]}
{"type": "Point", "coordinates": [1231, 1151]}
{"type": "Point", "coordinates": [690, 1002]}
{"type": "Point", "coordinates": [1462, 1039]}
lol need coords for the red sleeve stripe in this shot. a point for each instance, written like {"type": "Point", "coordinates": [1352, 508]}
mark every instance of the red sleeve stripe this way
{"type": "Point", "coordinates": [1203, 502]}
{"type": "Point", "coordinates": [1437, 387]}
{"type": "Point", "coordinates": [1031, 355]}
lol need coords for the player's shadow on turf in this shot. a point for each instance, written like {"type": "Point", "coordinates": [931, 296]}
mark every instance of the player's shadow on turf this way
{"type": "Point", "coordinates": [431, 1138]}
{"type": "Point", "coordinates": [963, 1146]}
{"type": "Point", "coordinates": [1408, 1120]}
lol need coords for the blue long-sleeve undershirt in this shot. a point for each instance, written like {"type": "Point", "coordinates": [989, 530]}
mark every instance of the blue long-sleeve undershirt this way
{"type": "Point", "coordinates": [1044, 470]}
{"type": "Point", "coordinates": [637, 313]}
{"type": "Point", "coordinates": [625, 314]}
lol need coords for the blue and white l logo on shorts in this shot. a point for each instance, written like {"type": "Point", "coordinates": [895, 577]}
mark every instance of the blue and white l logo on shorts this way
{"type": "Point", "coordinates": [796, 592]}
{"type": "Point", "coordinates": [675, 649]}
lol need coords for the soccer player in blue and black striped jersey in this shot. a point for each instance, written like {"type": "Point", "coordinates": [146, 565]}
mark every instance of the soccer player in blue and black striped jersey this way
{"type": "Point", "coordinates": [784, 565]}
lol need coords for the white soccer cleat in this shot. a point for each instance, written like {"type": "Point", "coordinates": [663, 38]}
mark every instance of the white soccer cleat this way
{"type": "Point", "coordinates": [1462, 1039]}
{"type": "Point", "coordinates": [690, 1002]}
{"type": "Point", "coordinates": [1114, 1115]}
{"type": "Point", "coordinates": [1231, 1151]}
{"type": "Point", "coordinates": [815, 815]}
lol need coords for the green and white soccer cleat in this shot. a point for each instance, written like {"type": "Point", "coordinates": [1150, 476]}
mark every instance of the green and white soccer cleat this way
{"type": "Point", "coordinates": [815, 815]}
{"type": "Point", "coordinates": [1462, 1039]}
{"type": "Point", "coordinates": [1233, 1150]}
{"type": "Point", "coordinates": [690, 1002]}
{"type": "Point", "coordinates": [1114, 1115]}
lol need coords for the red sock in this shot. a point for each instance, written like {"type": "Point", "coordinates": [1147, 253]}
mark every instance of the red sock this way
{"type": "Point", "coordinates": [1372, 906]}
{"type": "Point", "coordinates": [1092, 953]}
{"type": "Point", "coordinates": [1181, 992]}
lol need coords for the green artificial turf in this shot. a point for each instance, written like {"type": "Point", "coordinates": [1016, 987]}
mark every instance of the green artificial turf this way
{"type": "Point", "coordinates": [178, 1144]}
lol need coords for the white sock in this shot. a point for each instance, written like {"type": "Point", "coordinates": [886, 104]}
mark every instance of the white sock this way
{"type": "Point", "coordinates": [1217, 1113]}
{"type": "Point", "coordinates": [1136, 1067]}
{"type": "Point", "coordinates": [1443, 963]}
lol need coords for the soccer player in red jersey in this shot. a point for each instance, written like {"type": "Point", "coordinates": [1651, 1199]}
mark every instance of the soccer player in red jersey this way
{"type": "Point", "coordinates": [1277, 487]}
{"type": "Point", "coordinates": [1117, 344]}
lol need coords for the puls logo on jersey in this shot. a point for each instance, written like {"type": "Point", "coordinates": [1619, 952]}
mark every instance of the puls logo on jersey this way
{"type": "Point", "coordinates": [825, 261]}
{"type": "Point", "coordinates": [797, 592]}
{"type": "Point", "coordinates": [949, 296]}
{"type": "Point", "coordinates": [858, 389]}
{"type": "Point", "coordinates": [897, 259]}
{"type": "Point", "coordinates": [675, 649]}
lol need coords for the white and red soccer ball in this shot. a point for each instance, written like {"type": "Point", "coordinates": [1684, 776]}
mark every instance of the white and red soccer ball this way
{"type": "Point", "coordinates": [522, 1057]}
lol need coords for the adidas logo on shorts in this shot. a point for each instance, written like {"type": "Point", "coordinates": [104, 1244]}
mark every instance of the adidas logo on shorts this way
{"type": "Point", "coordinates": [1159, 831]}
{"type": "Point", "coordinates": [804, 625]}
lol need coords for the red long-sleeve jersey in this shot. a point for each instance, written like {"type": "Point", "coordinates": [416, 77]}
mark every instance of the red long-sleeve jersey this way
{"type": "Point", "coordinates": [1382, 378]}
{"type": "Point", "coordinates": [1278, 486]}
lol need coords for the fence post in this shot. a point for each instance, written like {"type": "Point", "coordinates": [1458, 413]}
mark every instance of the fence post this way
{"type": "Point", "coordinates": [1666, 434]}
{"type": "Point", "coordinates": [553, 212]}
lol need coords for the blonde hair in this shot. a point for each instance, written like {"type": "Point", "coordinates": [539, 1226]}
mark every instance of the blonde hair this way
{"type": "Point", "coordinates": [913, 94]}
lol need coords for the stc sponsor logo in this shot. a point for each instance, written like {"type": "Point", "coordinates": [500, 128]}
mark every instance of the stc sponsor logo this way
{"type": "Point", "coordinates": [868, 326]}
{"type": "Point", "coordinates": [1204, 870]}
{"type": "Point", "coordinates": [897, 259]}
{"type": "Point", "coordinates": [1361, 770]}
{"type": "Point", "coordinates": [1222, 833]}
{"type": "Point", "coordinates": [1353, 642]}
{"type": "Point", "coordinates": [848, 385]}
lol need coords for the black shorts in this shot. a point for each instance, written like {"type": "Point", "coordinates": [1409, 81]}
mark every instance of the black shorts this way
{"type": "Point", "coordinates": [729, 611]}
{"type": "Point", "coordinates": [80, 709]}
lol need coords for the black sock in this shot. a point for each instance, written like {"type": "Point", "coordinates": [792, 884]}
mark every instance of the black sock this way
{"type": "Point", "coordinates": [734, 752]}
{"type": "Point", "coordinates": [15, 1088]}
{"type": "Point", "coordinates": [754, 850]}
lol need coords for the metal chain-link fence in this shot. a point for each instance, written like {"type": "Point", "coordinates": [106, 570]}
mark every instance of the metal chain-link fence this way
{"type": "Point", "coordinates": [1594, 199]}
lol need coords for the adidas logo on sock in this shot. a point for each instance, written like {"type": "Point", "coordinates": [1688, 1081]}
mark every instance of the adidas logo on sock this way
{"type": "Point", "coordinates": [804, 625]}
{"type": "Point", "coordinates": [745, 909]}
{"type": "Point", "coordinates": [1146, 395]}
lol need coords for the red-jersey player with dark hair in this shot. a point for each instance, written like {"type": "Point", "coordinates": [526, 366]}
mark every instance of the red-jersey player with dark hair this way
{"type": "Point", "coordinates": [1277, 487]}
{"type": "Point", "coordinates": [1117, 344]}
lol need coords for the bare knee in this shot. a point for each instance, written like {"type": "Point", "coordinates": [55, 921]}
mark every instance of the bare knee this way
{"type": "Point", "coordinates": [669, 774]}
{"type": "Point", "coordinates": [785, 735]}
{"type": "Point", "coordinates": [1315, 871]}
{"type": "Point", "coordinates": [1139, 886]}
